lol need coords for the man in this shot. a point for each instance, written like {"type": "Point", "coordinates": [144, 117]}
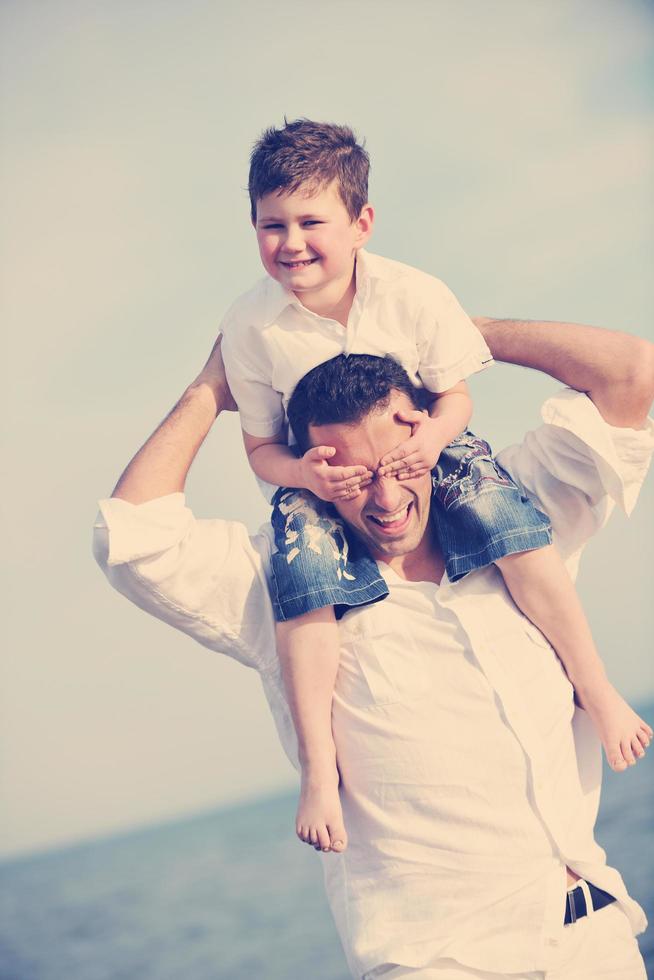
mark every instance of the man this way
{"type": "Point", "coordinates": [469, 782]}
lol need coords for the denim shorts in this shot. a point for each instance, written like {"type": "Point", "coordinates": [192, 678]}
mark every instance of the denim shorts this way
{"type": "Point", "coordinates": [479, 513]}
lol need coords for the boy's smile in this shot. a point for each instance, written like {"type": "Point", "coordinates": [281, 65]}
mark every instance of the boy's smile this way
{"type": "Point", "coordinates": [308, 242]}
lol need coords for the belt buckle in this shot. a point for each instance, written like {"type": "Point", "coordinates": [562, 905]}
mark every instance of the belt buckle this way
{"type": "Point", "coordinates": [572, 907]}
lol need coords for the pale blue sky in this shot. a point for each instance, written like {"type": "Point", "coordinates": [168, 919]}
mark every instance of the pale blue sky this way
{"type": "Point", "coordinates": [512, 157]}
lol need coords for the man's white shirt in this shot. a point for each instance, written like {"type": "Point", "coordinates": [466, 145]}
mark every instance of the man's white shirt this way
{"type": "Point", "coordinates": [469, 779]}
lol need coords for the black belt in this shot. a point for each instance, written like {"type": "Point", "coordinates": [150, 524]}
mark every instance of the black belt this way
{"type": "Point", "coordinates": [575, 904]}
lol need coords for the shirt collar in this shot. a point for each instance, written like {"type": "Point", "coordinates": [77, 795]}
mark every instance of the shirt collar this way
{"type": "Point", "coordinates": [371, 267]}
{"type": "Point", "coordinates": [278, 298]}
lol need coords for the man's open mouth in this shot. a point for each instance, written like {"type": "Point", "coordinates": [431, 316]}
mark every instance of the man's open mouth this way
{"type": "Point", "coordinates": [392, 523]}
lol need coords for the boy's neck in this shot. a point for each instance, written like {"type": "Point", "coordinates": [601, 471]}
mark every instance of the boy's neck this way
{"type": "Point", "coordinates": [334, 301]}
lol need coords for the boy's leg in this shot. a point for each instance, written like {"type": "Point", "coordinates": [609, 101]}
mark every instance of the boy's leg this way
{"type": "Point", "coordinates": [542, 588]}
{"type": "Point", "coordinates": [313, 568]}
{"type": "Point", "coordinates": [308, 651]}
{"type": "Point", "coordinates": [484, 518]}
{"type": "Point", "coordinates": [314, 563]}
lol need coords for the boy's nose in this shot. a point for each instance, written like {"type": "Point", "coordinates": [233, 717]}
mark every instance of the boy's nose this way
{"type": "Point", "coordinates": [294, 241]}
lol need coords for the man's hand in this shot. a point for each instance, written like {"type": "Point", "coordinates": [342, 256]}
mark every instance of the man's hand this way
{"type": "Point", "coordinates": [419, 454]}
{"type": "Point", "coordinates": [161, 465]}
{"type": "Point", "coordinates": [331, 482]}
{"type": "Point", "coordinates": [213, 375]}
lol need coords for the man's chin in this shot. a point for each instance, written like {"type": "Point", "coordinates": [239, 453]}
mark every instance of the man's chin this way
{"type": "Point", "coordinates": [390, 545]}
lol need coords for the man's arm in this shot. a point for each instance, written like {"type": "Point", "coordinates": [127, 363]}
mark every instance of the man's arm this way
{"type": "Point", "coordinates": [161, 465]}
{"type": "Point", "coordinates": [615, 369]}
{"type": "Point", "coordinates": [206, 578]}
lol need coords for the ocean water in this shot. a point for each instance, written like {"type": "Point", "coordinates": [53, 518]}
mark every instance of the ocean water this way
{"type": "Point", "coordinates": [227, 896]}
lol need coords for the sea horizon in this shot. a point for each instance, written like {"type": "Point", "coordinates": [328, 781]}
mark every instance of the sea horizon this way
{"type": "Point", "coordinates": [225, 894]}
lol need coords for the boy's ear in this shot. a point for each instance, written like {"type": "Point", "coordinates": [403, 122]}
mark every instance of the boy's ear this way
{"type": "Point", "coordinates": [364, 224]}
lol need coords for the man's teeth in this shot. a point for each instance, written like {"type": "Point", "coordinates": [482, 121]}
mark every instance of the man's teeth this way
{"type": "Point", "coordinates": [392, 518]}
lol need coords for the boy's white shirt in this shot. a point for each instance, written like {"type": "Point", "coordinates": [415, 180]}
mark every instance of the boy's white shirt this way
{"type": "Point", "coordinates": [271, 340]}
{"type": "Point", "coordinates": [398, 893]}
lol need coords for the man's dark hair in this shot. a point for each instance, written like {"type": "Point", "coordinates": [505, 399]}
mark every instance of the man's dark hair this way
{"type": "Point", "coordinates": [344, 391]}
{"type": "Point", "coordinates": [309, 154]}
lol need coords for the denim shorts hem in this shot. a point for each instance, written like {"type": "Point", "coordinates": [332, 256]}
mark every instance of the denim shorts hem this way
{"type": "Point", "coordinates": [458, 566]}
{"type": "Point", "coordinates": [341, 599]}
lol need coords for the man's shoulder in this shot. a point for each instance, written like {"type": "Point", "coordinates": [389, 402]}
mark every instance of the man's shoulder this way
{"type": "Point", "coordinates": [576, 467]}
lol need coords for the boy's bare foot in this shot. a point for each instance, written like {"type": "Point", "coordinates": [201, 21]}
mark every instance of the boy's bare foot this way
{"type": "Point", "coordinates": [319, 819]}
{"type": "Point", "coordinates": [624, 734]}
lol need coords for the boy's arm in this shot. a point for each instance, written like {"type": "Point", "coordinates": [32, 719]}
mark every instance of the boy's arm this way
{"type": "Point", "coordinates": [451, 411]}
{"type": "Point", "coordinates": [449, 414]}
{"type": "Point", "coordinates": [275, 462]}
{"type": "Point", "coordinates": [614, 369]}
{"type": "Point", "coordinates": [272, 459]}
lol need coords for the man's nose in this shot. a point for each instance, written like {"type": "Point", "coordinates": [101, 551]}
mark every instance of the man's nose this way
{"type": "Point", "coordinates": [387, 493]}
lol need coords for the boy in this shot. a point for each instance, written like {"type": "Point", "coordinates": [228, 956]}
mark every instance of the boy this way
{"type": "Point", "coordinates": [325, 296]}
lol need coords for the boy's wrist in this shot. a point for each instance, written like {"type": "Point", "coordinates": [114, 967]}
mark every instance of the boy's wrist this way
{"type": "Point", "coordinates": [299, 470]}
{"type": "Point", "coordinates": [440, 432]}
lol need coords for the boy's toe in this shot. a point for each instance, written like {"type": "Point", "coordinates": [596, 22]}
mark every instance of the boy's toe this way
{"type": "Point", "coordinates": [338, 837]}
{"type": "Point", "coordinates": [304, 833]}
{"type": "Point", "coordinates": [627, 754]}
{"type": "Point", "coordinates": [614, 756]}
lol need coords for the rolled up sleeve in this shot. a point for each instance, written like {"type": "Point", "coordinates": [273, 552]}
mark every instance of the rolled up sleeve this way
{"type": "Point", "coordinates": [249, 377]}
{"type": "Point", "coordinates": [206, 578]}
{"type": "Point", "coordinates": [576, 467]}
{"type": "Point", "coordinates": [450, 346]}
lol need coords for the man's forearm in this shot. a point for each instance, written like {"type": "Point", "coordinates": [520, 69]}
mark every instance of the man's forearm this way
{"type": "Point", "coordinates": [161, 465]}
{"type": "Point", "coordinates": [615, 369]}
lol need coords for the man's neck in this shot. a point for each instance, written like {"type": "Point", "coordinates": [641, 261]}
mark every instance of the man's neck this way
{"type": "Point", "coordinates": [423, 564]}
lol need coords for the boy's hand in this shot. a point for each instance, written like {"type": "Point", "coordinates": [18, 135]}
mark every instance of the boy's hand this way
{"type": "Point", "coordinates": [331, 482]}
{"type": "Point", "coordinates": [419, 454]}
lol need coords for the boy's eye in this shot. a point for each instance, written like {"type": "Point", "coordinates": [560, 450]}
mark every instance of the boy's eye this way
{"type": "Point", "coordinates": [268, 227]}
{"type": "Point", "coordinates": [312, 222]}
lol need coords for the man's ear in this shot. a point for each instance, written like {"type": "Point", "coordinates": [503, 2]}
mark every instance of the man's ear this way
{"type": "Point", "coordinates": [364, 224]}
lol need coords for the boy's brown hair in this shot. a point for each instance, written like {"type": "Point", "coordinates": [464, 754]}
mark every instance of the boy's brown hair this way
{"type": "Point", "coordinates": [311, 154]}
